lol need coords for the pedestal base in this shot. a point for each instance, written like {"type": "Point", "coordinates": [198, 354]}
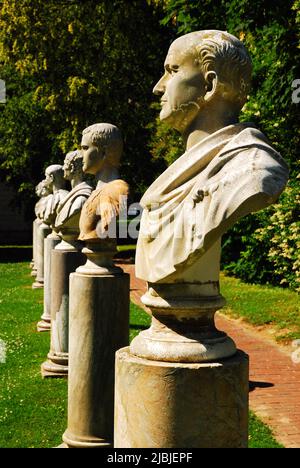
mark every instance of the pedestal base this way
{"type": "Point", "coordinates": [63, 263]}
{"type": "Point", "coordinates": [49, 244]}
{"type": "Point", "coordinates": [164, 343]}
{"type": "Point", "coordinates": [99, 318]}
{"type": "Point", "coordinates": [52, 373]}
{"type": "Point", "coordinates": [176, 405]}
{"type": "Point", "coordinates": [37, 285]}
{"type": "Point", "coordinates": [56, 366]}
{"type": "Point", "coordinates": [182, 330]}
{"type": "Point", "coordinates": [70, 441]}
{"type": "Point", "coordinates": [43, 326]}
{"type": "Point", "coordinates": [42, 232]}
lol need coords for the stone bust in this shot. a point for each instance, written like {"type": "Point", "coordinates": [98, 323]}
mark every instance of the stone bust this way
{"type": "Point", "coordinates": [43, 191]}
{"type": "Point", "coordinates": [56, 183]}
{"type": "Point", "coordinates": [69, 210]}
{"type": "Point", "coordinates": [229, 168]}
{"type": "Point", "coordinates": [102, 147]}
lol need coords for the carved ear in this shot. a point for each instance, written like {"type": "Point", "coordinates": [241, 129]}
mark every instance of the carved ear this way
{"type": "Point", "coordinates": [211, 80]}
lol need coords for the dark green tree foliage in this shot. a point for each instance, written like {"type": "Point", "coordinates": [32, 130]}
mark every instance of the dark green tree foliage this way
{"type": "Point", "coordinates": [68, 64]}
{"type": "Point", "coordinates": [265, 246]}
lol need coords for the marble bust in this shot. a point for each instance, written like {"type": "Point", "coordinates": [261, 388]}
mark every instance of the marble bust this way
{"type": "Point", "coordinates": [229, 168]}
{"type": "Point", "coordinates": [102, 147]}
{"type": "Point", "coordinates": [56, 183]}
{"type": "Point", "coordinates": [69, 210]}
{"type": "Point", "coordinates": [43, 191]}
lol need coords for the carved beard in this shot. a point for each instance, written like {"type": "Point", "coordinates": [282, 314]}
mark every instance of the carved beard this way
{"type": "Point", "coordinates": [182, 116]}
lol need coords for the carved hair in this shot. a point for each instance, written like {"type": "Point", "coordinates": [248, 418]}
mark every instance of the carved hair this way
{"type": "Point", "coordinates": [223, 53]}
{"type": "Point", "coordinates": [56, 170]}
{"type": "Point", "coordinates": [76, 158]}
{"type": "Point", "coordinates": [107, 137]}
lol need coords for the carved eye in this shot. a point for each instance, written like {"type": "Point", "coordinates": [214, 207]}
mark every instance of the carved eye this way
{"type": "Point", "coordinates": [174, 68]}
{"type": "Point", "coordinates": [171, 69]}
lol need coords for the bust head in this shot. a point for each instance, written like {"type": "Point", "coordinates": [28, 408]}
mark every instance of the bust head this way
{"type": "Point", "coordinates": [73, 165]}
{"type": "Point", "coordinates": [203, 69]}
{"type": "Point", "coordinates": [42, 189]}
{"type": "Point", "coordinates": [101, 147]}
{"type": "Point", "coordinates": [55, 176]}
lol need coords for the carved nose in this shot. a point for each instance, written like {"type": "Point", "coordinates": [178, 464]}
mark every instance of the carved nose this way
{"type": "Point", "coordinates": [159, 88]}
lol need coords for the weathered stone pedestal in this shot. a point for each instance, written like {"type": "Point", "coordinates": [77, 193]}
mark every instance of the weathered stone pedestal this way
{"type": "Point", "coordinates": [99, 326]}
{"type": "Point", "coordinates": [182, 329]}
{"type": "Point", "coordinates": [182, 384]}
{"type": "Point", "coordinates": [50, 242]}
{"type": "Point", "coordinates": [177, 405]}
{"type": "Point", "coordinates": [42, 232]}
{"type": "Point", "coordinates": [65, 258]}
{"type": "Point", "coordinates": [35, 226]}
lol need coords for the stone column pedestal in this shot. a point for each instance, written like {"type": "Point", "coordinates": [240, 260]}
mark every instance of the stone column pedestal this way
{"type": "Point", "coordinates": [42, 232]}
{"type": "Point", "coordinates": [182, 328]}
{"type": "Point", "coordinates": [182, 383]}
{"type": "Point", "coordinates": [99, 326]}
{"type": "Point", "coordinates": [66, 257]}
{"type": "Point", "coordinates": [50, 242]}
{"type": "Point", "coordinates": [35, 226]}
{"type": "Point", "coordinates": [177, 405]}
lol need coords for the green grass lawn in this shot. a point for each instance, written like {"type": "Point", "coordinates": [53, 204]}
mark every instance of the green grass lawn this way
{"type": "Point", "coordinates": [33, 410]}
{"type": "Point", "coordinates": [263, 305]}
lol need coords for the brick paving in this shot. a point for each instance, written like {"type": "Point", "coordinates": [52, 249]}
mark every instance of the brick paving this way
{"type": "Point", "coordinates": [274, 378]}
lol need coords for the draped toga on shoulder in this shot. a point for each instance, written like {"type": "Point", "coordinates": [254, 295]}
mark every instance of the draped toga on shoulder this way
{"type": "Point", "coordinates": [69, 207]}
{"type": "Point", "coordinates": [225, 176]}
{"type": "Point", "coordinates": [54, 200]}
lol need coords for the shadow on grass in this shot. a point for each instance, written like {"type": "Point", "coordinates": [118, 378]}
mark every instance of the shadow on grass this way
{"type": "Point", "coordinates": [125, 256]}
{"type": "Point", "coordinates": [20, 253]}
{"type": "Point", "coordinates": [14, 254]}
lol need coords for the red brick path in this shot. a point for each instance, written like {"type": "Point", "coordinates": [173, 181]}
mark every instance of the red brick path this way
{"type": "Point", "coordinates": [274, 378]}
